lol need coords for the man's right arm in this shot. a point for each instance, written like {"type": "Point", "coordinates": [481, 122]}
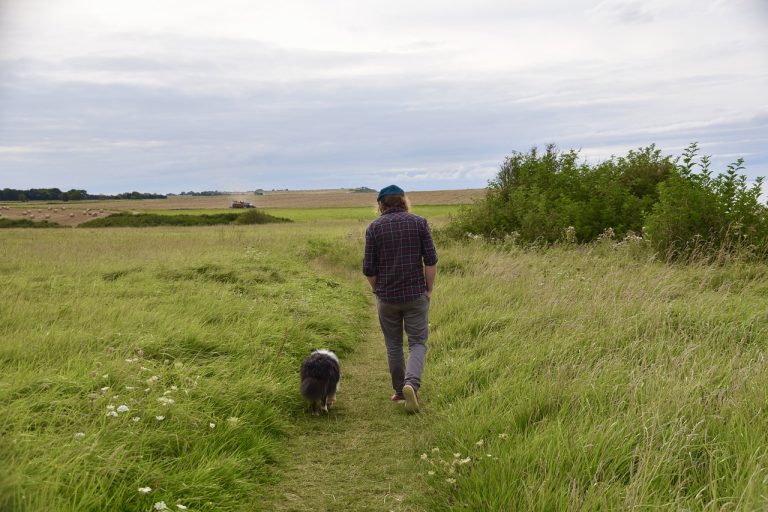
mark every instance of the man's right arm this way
{"type": "Point", "coordinates": [429, 254]}
{"type": "Point", "coordinates": [430, 272]}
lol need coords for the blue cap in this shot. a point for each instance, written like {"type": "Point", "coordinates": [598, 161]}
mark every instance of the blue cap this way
{"type": "Point", "coordinates": [392, 190]}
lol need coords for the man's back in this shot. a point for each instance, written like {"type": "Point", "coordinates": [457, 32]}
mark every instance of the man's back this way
{"type": "Point", "coordinates": [398, 245]}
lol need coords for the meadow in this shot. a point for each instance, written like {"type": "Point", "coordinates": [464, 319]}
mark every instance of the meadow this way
{"type": "Point", "coordinates": [560, 378]}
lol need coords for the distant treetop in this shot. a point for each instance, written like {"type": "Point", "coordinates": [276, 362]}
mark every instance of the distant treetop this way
{"type": "Point", "coordinates": [54, 194]}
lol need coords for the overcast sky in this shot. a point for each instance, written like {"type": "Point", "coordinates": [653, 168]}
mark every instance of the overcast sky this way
{"type": "Point", "coordinates": [172, 95]}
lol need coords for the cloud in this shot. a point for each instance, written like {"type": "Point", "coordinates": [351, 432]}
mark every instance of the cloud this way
{"type": "Point", "coordinates": [432, 93]}
{"type": "Point", "coordinates": [626, 11]}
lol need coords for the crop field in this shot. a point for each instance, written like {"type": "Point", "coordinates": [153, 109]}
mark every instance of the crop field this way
{"type": "Point", "coordinates": [295, 205]}
{"type": "Point", "coordinates": [160, 365]}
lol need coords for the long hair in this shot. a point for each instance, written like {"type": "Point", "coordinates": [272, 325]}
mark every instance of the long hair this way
{"type": "Point", "coordinates": [388, 202]}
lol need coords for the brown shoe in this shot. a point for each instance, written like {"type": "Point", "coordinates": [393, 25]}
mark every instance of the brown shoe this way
{"type": "Point", "coordinates": [397, 397]}
{"type": "Point", "coordinates": [411, 399]}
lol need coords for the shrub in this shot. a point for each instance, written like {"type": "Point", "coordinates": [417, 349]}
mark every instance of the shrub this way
{"type": "Point", "coordinates": [685, 211]}
{"type": "Point", "coordinates": [539, 195]}
{"type": "Point", "coordinates": [698, 215]}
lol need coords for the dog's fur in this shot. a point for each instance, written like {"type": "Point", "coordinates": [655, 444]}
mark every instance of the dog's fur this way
{"type": "Point", "coordinates": [320, 374]}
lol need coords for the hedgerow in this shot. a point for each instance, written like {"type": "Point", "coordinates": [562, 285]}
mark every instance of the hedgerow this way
{"type": "Point", "coordinates": [125, 219]}
{"type": "Point", "coordinates": [675, 203]}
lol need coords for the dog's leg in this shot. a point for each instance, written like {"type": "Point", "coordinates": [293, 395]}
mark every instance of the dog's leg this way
{"type": "Point", "coordinates": [331, 399]}
{"type": "Point", "coordinates": [315, 408]}
{"type": "Point", "coordinates": [325, 404]}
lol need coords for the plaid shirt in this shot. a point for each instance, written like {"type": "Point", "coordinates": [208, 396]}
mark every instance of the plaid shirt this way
{"type": "Point", "coordinates": [397, 246]}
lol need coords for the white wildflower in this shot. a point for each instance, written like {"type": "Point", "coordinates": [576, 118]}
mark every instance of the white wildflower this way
{"type": "Point", "coordinates": [212, 425]}
{"type": "Point", "coordinates": [112, 413]}
{"type": "Point", "coordinates": [131, 360]}
{"type": "Point", "coordinates": [79, 435]}
{"type": "Point", "coordinates": [105, 389]}
{"type": "Point", "coordinates": [233, 420]}
{"type": "Point", "coordinates": [145, 490]}
{"type": "Point", "coordinates": [167, 392]}
{"type": "Point", "coordinates": [423, 456]}
{"type": "Point", "coordinates": [431, 473]}
{"type": "Point", "coordinates": [435, 450]}
{"type": "Point", "coordinates": [123, 408]}
{"type": "Point", "coordinates": [110, 407]}
{"type": "Point", "coordinates": [503, 435]}
{"type": "Point", "coordinates": [129, 388]}
{"type": "Point", "coordinates": [465, 461]}
{"type": "Point", "coordinates": [153, 379]}
{"type": "Point", "coordinates": [174, 388]}
{"type": "Point", "coordinates": [159, 418]}
{"type": "Point", "coordinates": [143, 368]}
{"type": "Point", "coordinates": [135, 419]}
{"type": "Point", "coordinates": [456, 455]}
{"type": "Point", "coordinates": [166, 401]}
{"type": "Point", "coordinates": [160, 505]}
{"type": "Point", "coordinates": [451, 480]}
{"type": "Point", "coordinates": [180, 506]}
{"type": "Point", "coordinates": [480, 443]}
{"type": "Point", "coordinates": [105, 376]}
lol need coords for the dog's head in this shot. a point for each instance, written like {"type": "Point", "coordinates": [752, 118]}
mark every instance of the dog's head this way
{"type": "Point", "coordinates": [325, 352]}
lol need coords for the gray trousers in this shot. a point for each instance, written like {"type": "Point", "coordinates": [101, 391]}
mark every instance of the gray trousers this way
{"type": "Point", "coordinates": [414, 318]}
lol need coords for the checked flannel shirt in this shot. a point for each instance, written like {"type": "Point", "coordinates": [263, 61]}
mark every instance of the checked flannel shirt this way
{"type": "Point", "coordinates": [397, 246]}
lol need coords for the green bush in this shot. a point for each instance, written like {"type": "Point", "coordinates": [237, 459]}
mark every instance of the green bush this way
{"type": "Point", "coordinates": [684, 210]}
{"type": "Point", "coordinates": [701, 216]}
{"type": "Point", "coordinates": [538, 196]}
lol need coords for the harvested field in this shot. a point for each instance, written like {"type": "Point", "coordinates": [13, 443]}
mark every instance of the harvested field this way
{"type": "Point", "coordinates": [75, 213]}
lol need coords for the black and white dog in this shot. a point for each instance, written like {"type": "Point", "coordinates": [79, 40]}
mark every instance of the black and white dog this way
{"type": "Point", "coordinates": [320, 374]}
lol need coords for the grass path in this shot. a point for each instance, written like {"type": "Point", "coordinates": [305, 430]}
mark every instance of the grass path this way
{"type": "Point", "coordinates": [363, 456]}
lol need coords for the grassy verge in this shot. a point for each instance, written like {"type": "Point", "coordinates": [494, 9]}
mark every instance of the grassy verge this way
{"type": "Point", "coordinates": [156, 358]}
{"type": "Point", "coordinates": [139, 220]}
{"type": "Point", "coordinates": [595, 378]}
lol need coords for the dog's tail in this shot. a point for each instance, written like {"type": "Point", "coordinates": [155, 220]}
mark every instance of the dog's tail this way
{"type": "Point", "coordinates": [314, 390]}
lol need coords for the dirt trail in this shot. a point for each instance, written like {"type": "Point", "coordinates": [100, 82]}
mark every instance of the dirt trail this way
{"type": "Point", "coordinates": [363, 456]}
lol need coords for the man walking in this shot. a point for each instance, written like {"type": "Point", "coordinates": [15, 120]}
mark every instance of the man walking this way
{"type": "Point", "coordinates": [400, 263]}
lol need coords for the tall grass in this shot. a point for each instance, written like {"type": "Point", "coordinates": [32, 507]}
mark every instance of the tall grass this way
{"type": "Point", "coordinates": [567, 378]}
{"type": "Point", "coordinates": [592, 378]}
{"type": "Point", "coordinates": [199, 333]}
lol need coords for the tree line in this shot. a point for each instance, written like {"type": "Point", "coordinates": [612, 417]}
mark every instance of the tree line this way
{"type": "Point", "coordinates": [55, 194]}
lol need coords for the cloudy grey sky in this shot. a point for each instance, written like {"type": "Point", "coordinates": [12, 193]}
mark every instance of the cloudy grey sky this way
{"type": "Point", "coordinates": [172, 95]}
